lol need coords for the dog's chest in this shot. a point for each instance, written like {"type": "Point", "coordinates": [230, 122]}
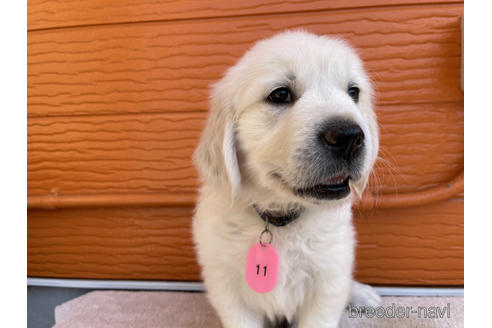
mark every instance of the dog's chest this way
{"type": "Point", "coordinates": [307, 254]}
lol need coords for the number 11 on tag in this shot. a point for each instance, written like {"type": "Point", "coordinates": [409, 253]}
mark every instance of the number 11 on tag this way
{"type": "Point", "coordinates": [262, 268]}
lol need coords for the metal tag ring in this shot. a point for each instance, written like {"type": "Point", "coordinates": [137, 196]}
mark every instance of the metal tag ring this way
{"type": "Point", "coordinates": [261, 237]}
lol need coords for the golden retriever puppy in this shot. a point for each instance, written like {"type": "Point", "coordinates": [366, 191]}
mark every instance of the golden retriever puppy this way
{"type": "Point", "coordinates": [291, 136]}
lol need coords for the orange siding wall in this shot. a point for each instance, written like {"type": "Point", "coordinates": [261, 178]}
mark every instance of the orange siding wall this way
{"type": "Point", "coordinates": [117, 96]}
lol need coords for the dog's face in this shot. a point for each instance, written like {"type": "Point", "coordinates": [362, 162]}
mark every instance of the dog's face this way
{"type": "Point", "coordinates": [294, 116]}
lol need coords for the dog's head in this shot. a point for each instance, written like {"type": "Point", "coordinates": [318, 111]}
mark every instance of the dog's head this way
{"type": "Point", "coordinates": [294, 116]}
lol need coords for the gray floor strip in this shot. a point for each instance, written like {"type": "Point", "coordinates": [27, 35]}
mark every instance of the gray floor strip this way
{"type": "Point", "coordinates": [197, 286]}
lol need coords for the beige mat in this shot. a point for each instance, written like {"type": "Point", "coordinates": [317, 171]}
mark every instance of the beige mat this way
{"type": "Point", "coordinates": [121, 309]}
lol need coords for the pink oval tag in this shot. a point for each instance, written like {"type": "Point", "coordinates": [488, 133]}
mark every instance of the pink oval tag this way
{"type": "Point", "coordinates": [262, 268]}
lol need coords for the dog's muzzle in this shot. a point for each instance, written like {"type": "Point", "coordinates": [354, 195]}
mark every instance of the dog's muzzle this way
{"type": "Point", "coordinates": [333, 160]}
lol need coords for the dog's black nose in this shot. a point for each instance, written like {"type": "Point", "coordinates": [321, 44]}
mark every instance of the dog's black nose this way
{"type": "Point", "coordinates": [344, 138]}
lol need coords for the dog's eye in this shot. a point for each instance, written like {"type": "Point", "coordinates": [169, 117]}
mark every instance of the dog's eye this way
{"type": "Point", "coordinates": [280, 96]}
{"type": "Point", "coordinates": [353, 92]}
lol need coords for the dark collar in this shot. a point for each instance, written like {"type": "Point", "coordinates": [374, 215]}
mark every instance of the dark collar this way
{"type": "Point", "coordinates": [279, 219]}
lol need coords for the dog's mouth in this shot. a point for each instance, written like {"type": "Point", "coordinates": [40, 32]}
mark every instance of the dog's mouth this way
{"type": "Point", "coordinates": [333, 188]}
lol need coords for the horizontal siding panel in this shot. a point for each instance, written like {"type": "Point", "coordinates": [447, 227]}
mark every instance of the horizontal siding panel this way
{"type": "Point", "coordinates": [412, 246]}
{"type": "Point", "coordinates": [113, 154]}
{"type": "Point", "coordinates": [122, 243]}
{"type": "Point", "coordinates": [149, 153]}
{"type": "Point", "coordinates": [417, 246]}
{"type": "Point", "coordinates": [412, 53]}
{"type": "Point", "coordinates": [52, 13]}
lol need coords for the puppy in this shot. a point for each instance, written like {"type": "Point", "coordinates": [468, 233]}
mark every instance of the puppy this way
{"type": "Point", "coordinates": [291, 136]}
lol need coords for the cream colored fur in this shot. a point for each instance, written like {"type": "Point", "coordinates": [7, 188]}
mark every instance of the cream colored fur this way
{"type": "Point", "coordinates": [244, 141]}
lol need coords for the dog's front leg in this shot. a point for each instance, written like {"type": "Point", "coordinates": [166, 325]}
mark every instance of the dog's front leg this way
{"type": "Point", "coordinates": [325, 306]}
{"type": "Point", "coordinates": [231, 309]}
{"type": "Point", "coordinates": [362, 295]}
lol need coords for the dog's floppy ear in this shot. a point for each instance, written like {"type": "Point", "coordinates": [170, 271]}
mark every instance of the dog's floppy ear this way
{"type": "Point", "coordinates": [216, 156]}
